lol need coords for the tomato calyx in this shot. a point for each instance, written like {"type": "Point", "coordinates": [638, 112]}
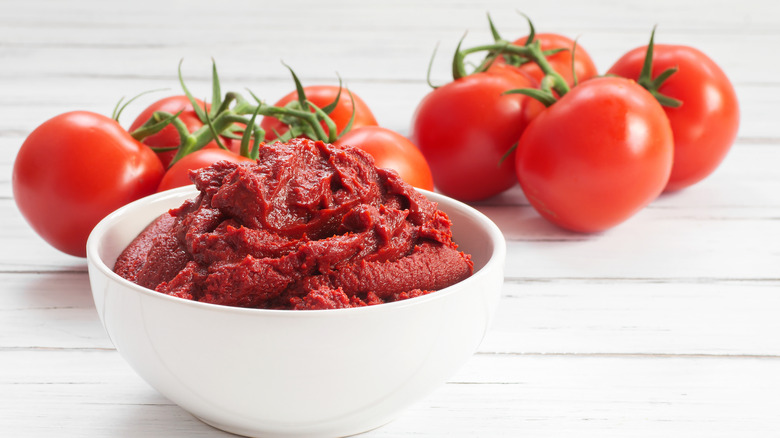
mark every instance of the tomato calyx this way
{"type": "Point", "coordinates": [553, 85]}
{"type": "Point", "coordinates": [498, 49]}
{"type": "Point", "coordinates": [298, 126]}
{"type": "Point", "coordinates": [652, 85]}
{"type": "Point", "coordinates": [514, 55]}
{"type": "Point", "coordinates": [515, 60]}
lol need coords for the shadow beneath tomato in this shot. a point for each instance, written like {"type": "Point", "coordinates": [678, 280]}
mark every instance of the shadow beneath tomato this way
{"type": "Point", "coordinates": [511, 197]}
{"type": "Point", "coordinates": [523, 223]}
{"type": "Point", "coordinates": [518, 220]}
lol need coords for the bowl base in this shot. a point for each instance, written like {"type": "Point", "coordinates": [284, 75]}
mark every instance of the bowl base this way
{"type": "Point", "coordinates": [288, 434]}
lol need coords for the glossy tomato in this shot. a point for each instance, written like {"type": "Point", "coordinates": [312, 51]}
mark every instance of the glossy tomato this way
{"type": "Point", "coordinates": [178, 175]}
{"type": "Point", "coordinates": [466, 130]}
{"type": "Point", "coordinates": [596, 156]}
{"type": "Point", "coordinates": [76, 168]}
{"type": "Point", "coordinates": [561, 62]}
{"type": "Point", "coordinates": [706, 123]}
{"type": "Point", "coordinates": [322, 96]}
{"type": "Point", "coordinates": [169, 136]}
{"type": "Point", "coordinates": [394, 151]}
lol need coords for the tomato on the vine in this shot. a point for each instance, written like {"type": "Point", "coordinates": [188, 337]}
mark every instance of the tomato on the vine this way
{"type": "Point", "coordinates": [169, 136]}
{"type": "Point", "coordinates": [561, 62]}
{"type": "Point", "coordinates": [392, 150]}
{"type": "Point", "coordinates": [466, 130]}
{"type": "Point", "coordinates": [706, 123]}
{"type": "Point", "coordinates": [322, 96]}
{"type": "Point", "coordinates": [596, 156]}
{"type": "Point", "coordinates": [75, 169]}
{"type": "Point", "coordinates": [178, 175]}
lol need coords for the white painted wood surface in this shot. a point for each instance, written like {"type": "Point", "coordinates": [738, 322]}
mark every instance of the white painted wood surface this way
{"type": "Point", "coordinates": [664, 326]}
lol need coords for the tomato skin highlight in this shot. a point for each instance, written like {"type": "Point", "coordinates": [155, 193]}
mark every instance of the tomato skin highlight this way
{"type": "Point", "coordinates": [466, 128]}
{"type": "Point", "coordinates": [394, 151]}
{"type": "Point", "coordinates": [706, 124]}
{"type": "Point", "coordinates": [178, 175]}
{"type": "Point", "coordinates": [322, 96]}
{"type": "Point", "coordinates": [597, 156]}
{"type": "Point", "coordinates": [169, 136]}
{"type": "Point", "coordinates": [75, 169]}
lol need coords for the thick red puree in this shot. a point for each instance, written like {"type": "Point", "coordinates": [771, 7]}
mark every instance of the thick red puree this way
{"type": "Point", "coordinates": [310, 226]}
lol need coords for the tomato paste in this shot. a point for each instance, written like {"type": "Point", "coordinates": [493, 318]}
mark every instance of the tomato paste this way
{"type": "Point", "coordinates": [308, 226]}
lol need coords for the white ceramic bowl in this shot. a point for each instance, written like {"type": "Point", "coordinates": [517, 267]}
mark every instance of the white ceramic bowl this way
{"type": "Point", "coordinates": [263, 372]}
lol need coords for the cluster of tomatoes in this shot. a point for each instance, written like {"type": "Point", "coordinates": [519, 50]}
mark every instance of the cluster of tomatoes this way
{"type": "Point", "coordinates": [588, 150]}
{"type": "Point", "coordinates": [78, 167]}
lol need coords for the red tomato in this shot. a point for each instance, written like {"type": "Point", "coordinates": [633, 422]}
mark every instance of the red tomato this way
{"type": "Point", "coordinates": [322, 96]}
{"type": "Point", "coordinates": [394, 151]}
{"type": "Point", "coordinates": [466, 127]}
{"type": "Point", "coordinates": [597, 156]}
{"type": "Point", "coordinates": [561, 62]}
{"type": "Point", "coordinates": [75, 169]}
{"type": "Point", "coordinates": [169, 136]}
{"type": "Point", "coordinates": [706, 123]}
{"type": "Point", "coordinates": [178, 175]}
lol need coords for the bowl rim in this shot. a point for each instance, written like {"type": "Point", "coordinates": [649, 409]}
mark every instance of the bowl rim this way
{"type": "Point", "coordinates": [497, 256]}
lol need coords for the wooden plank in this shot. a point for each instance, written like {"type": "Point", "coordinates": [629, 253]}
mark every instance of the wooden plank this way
{"type": "Point", "coordinates": [91, 394]}
{"type": "Point", "coordinates": [49, 311]}
{"type": "Point", "coordinates": [81, 58]}
{"type": "Point", "coordinates": [689, 16]}
{"type": "Point", "coordinates": [74, 51]}
{"type": "Point", "coordinates": [649, 246]}
{"type": "Point", "coordinates": [85, 393]}
{"type": "Point", "coordinates": [624, 316]}
{"type": "Point", "coordinates": [25, 251]}
{"type": "Point", "coordinates": [545, 396]}
{"type": "Point", "coordinates": [560, 316]}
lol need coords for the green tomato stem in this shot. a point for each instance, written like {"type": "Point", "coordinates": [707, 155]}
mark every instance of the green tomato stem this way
{"type": "Point", "coordinates": [652, 85]}
{"type": "Point", "coordinates": [220, 120]}
{"type": "Point", "coordinates": [531, 51]}
{"type": "Point", "coordinates": [156, 123]}
{"type": "Point", "coordinates": [251, 128]}
{"type": "Point", "coordinates": [216, 93]}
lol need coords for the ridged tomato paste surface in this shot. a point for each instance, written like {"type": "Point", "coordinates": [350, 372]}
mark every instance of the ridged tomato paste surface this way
{"type": "Point", "coordinates": [309, 226]}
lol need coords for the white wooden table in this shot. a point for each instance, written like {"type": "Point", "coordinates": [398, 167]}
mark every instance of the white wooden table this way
{"type": "Point", "coordinates": [668, 325]}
